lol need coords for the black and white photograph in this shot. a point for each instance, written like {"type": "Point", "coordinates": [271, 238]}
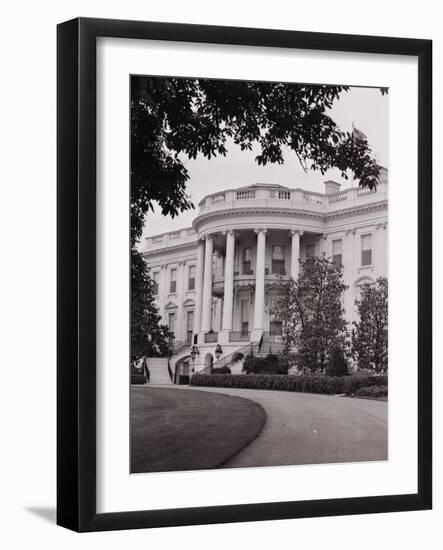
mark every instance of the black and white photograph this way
{"type": "Point", "coordinates": [220, 275]}
{"type": "Point", "coordinates": [259, 273]}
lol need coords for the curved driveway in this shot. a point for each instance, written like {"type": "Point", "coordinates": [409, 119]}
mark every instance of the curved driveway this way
{"type": "Point", "coordinates": [306, 428]}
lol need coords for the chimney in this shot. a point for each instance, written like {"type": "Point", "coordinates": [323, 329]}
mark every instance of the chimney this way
{"type": "Point", "coordinates": [331, 187]}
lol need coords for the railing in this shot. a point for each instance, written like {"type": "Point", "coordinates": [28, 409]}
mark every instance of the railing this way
{"type": "Point", "coordinates": [283, 194]}
{"type": "Point", "coordinates": [270, 343]}
{"type": "Point", "coordinates": [211, 337]}
{"type": "Point", "coordinates": [338, 197]}
{"type": "Point", "coordinates": [310, 196]}
{"type": "Point", "coordinates": [246, 194]}
{"type": "Point", "coordinates": [276, 272]}
{"type": "Point", "coordinates": [219, 272]}
{"type": "Point", "coordinates": [245, 350]}
{"type": "Point", "coordinates": [171, 375]}
{"type": "Point", "coordinates": [362, 191]}
{"type": "Point", "coordinates": [146, 370]}
{"type": "Point", "coordinates": [239, 336]}
{"type": "Point", "coordinates": [317, 200]}
{"type": "Point", "coordinates": [218, 198]}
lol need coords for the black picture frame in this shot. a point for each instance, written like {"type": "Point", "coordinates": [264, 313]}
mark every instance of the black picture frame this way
{"type": "Point", "coordinates": [76, 265]}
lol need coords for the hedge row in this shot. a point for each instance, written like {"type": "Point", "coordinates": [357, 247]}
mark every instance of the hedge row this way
{"type": "Point", "coordinates": [372, 391]}
{"type": "Point", "coordinates": [311, 384]}
{"type": "Point", "coordinates": [221, 370]}
{"type": "Point", "coordinates": [138, 378]}
{"type": "Point", "coordinates": [271, 364]}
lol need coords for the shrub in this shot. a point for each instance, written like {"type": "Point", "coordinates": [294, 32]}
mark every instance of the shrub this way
{"type": "Point", "coordinates": [355, 382]}
{"type": "Point", "coordinates": [221, 370]}
{"type": "Point", "coordinates": [138, 378]}
{"type": "Point", "coordinates": [372, 391]}
{"type": "Point", "coordinates": [309, 384]}
{"type": "Point", "coordinates": [271, 364]}
{"type": "Point", "coordinates": [337, 364]}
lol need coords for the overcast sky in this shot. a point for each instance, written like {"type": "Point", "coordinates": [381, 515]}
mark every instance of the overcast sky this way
{"type": "Point", "coordinates": [366, 107]}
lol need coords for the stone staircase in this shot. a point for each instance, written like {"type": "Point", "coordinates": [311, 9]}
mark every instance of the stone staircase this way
{"type": "Point", "coordinates": [158, 371]}
{"type": "Point", "coordinates": [267, 344]}
{"type": "Point", "coordinates": [244, 350]}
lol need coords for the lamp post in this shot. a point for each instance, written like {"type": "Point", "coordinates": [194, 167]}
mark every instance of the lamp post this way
{"type": "Point", "coordinates": [194, 352]}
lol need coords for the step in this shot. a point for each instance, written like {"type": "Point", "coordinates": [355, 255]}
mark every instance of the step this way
{"type": "Point", "coordinates": [158, 371]}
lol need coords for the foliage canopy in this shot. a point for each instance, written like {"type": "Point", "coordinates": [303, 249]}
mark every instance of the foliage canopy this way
{"type": "Point", "coordinates": [370, 335]}
{"type": "Point", "coordinates": [149, 337]}
{"type": "Point", "coordinates": [312, 314]}
{"type": "Point", "coordinates": [177, 118]}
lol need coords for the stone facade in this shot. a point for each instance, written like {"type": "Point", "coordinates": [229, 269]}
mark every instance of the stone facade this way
{"type": "Point", "coordinates": [215, 282]}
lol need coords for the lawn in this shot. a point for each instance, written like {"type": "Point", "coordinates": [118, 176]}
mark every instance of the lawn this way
{"type": "Point", "coordinates": [179, 429]}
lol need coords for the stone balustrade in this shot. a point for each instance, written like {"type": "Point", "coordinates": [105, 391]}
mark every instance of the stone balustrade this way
{"type": "Point", "coordinates": [269, 196]}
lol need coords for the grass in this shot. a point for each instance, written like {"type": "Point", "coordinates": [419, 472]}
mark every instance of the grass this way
{"type": "Point", "coordinates": [176, 429]}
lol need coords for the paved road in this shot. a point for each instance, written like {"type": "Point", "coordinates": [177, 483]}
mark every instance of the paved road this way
{"type": "Point", "coordinates": [306, 428]}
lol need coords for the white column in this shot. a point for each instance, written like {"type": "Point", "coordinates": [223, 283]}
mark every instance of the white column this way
{"type": "Point", "coordinates": [206, 317]}
{"type": "Point", "coordinates": [163, 291]}
{"type": "Point", "coordinates": [199, 270]}
{"type": "Point", "coordinates": [350, 273]}
{"type": "Point", "coordinates": [229, 281]}
{"type": "Point", "coordinates": [295, 252]}
{"type": "Point", "coordinates": [259, 308]}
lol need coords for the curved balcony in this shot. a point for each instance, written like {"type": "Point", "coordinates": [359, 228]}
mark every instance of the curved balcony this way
{"type": "Point", "coordinates": [269, 196]}
{"type": "Point", "coordinates": [272, 280]}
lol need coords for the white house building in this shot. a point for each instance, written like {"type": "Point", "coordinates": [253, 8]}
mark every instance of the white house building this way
{"type": "Point", "coordinates": [215, 281]}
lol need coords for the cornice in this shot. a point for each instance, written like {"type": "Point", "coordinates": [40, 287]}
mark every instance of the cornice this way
{"type": "Point", "coordinates": [170, 249]}
{"type": "Point", "coordinates": [289, 212]}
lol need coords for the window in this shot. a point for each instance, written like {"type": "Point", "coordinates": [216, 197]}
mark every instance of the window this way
{"type": "Point", "coordinates": [366, 249]}
{"type": "Point", "coordinates": [337, 256]}
{"type": "Point", "coordinates": [191, 278]}
{"type": "Point", "coordinates": [189, 326]}
{"type": "Point", "coordinates": [275, 328]}
{"type": "Point", "coordinates": [173, 281]}
{"type": "Point", "coordinates": [155, 279]}
{"type": "Point", "coordinates": [278, 259]}
{"type": "Point", "coordinates": [247, 261]}
{"type": "Point", "coordinates": [171, 322]}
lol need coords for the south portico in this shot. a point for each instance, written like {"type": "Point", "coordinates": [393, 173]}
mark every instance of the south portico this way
{"type": "Point", "coordinates": [240, 269]}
